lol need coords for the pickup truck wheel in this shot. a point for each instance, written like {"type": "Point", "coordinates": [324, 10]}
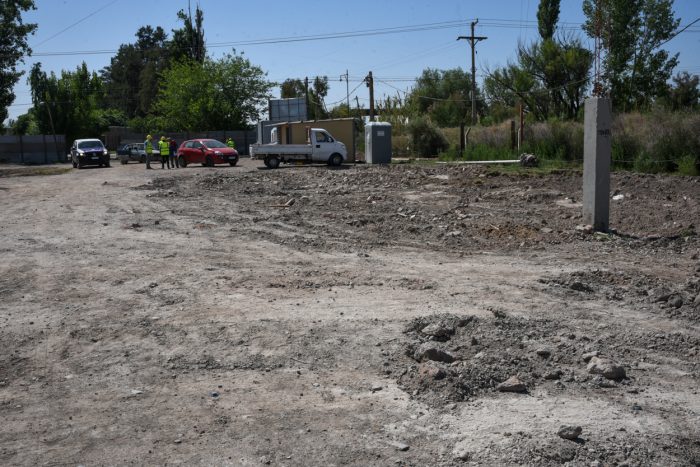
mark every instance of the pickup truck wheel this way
{"type": "Point", "coordinates": [272, 162]}
{"type": "Point", "coordinates": [181, 161]}
{"type": "Point", "coordinates": [335, 160]}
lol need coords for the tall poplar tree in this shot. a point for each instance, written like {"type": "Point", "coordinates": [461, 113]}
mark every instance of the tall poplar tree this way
{"type": "Point", "coordinates": [13, 47]}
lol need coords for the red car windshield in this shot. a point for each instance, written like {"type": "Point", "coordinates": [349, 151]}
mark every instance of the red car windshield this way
{"type": "Point", "coordinates": [213, 144]}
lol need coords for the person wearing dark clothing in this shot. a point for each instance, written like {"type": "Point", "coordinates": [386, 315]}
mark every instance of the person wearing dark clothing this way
{"type": "Point", "coordinates": [173, 154]}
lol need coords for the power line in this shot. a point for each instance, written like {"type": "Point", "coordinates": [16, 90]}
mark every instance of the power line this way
{"type": "Point", "coordinates": [290, 39]}
{"type": "Point", "coordinates": [490, 23]}
{"type": "Point", "coordinates": [76, 23]}
{"type": "Point", "coordinates": [686, 27]}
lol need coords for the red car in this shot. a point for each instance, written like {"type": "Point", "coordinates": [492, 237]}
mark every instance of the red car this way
{"type": "Point", "coordinates": [207, 152]}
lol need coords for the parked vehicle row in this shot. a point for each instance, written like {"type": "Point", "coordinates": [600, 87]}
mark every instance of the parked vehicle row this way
{"type": "Point", "coordinates": [321, 147]}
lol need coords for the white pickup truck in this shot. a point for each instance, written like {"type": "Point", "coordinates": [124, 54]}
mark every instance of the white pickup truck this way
{"type": "Point", "coordinates": [322, 147]}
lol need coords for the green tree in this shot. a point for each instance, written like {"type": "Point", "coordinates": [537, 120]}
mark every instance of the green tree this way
{"type": "Point", "coordinates": [547, 18]}
{"type": "Point", "coordinates": [230, 94]}
{"type": "Point", "coordinates": [685, 94]}
{"type": "Point", "coordinates": [13, 47]}
{"type": "Point", "coordinates": [317, 96]}
{"type": "Point", "coordinates": [74, 101]}
{"type": "Point", "coordinates": [188, 42]}
{"type": "Point", "coordinates": [318, 91]}
{"type": "Point", "coordinates": [635, 68]}
{"type": "Point", "coordinates": [550, 76]}
{"type": "Point", "coordinates": [292, 88]}
{"type": "Point", "coordinates": [131, 79]}
{"type": "Point", "coordinates": [444, 96]}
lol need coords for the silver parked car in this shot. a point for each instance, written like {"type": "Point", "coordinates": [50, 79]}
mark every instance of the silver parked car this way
{"type": "Point", "coordinates": [131, 152]}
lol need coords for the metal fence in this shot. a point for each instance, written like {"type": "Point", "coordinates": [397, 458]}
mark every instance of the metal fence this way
{"type": "Point", "coordinates": [35, 149]}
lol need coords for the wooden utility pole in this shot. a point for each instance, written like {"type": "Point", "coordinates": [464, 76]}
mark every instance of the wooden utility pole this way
{"type": "Point", "coordinates": [472, 42]}
{"type": "Point", "coordinates": [370, 84]}
{"type": "Point", "coordinates": [347, 87]}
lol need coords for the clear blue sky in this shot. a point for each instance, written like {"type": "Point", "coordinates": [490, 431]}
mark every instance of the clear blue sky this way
{"type": "Point", "coordinates": [394, 59]}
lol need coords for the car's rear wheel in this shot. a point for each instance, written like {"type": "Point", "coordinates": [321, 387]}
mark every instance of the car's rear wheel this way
{"type": "Point", "coordinates": [181, 160]}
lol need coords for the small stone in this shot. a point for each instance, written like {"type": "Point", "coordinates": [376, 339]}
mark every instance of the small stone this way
{"type": "Point", "coordinates": [544, 353]}
{"type": "Point", "coordinates": [587, 356]}
{"type": "Point", "coordinates": [546, 230]}
{"type": "Point", "coordinates": [430, 371]}
{"type": "Point", "coordinates": [569, 432]}
{"type": "Point", "coordinates": [696, 302]}
{"type": "Point", "coordinates": [609, 370]}
{"type": "Point", "coordinates": [676, 301]}
{"type": "Point", "coordinates": [512, 384]}
{"type": "Point", "coordinates": [377, 387]}
{"type": "Point", "coordinates": [428, 351]}
{"type": "Point", "coordinates": [553, 375]}
{"type": "Point", "coordinates": [438, 330]}
{"type": "Point", "coordinates": [177, 441]}
{"type": "Point", "coordinates": [402, 447]}
{"type": "Point", "coordinates": [584, 228]}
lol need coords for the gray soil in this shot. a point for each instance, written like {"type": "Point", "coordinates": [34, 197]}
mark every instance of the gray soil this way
{"type": "Point", "coordinates": [351, 316]}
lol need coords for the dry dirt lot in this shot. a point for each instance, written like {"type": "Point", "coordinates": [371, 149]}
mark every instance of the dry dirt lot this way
{"type": "Point", "coordinates": [351, 316]}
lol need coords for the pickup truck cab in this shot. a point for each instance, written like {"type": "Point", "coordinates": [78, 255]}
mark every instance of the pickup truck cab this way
{"type": "Point", "coordinates": [321, 147]}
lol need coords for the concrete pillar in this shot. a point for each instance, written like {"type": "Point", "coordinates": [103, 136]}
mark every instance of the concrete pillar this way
{"type": "Point", "coordinates": [597, 151]}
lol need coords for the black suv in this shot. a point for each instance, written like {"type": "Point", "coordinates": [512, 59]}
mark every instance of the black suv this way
{"type": "Point", "coordinates": [89, 152]}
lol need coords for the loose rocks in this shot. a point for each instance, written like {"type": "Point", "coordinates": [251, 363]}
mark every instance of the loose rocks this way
{"type": "Point", "coordinates": [438, 331]}
{"type": "Point", "coordinates": [429, 371]}
{"type": "Point", "coordinates": [606, 368]}
{"type": "Point", "coordinates": [569, 432]}
{"type": "Point", "coordinates": [512, 384]}
{"type": "Point", "coordinates": [428, 351]}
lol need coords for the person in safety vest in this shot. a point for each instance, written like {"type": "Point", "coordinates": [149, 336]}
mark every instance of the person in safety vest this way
{"type": "Point", "coordinates": [164, 152]}
{"type": "Point", "coordinates": [230, 143]}
{"type": "Point", "coordinates": [148, 147]}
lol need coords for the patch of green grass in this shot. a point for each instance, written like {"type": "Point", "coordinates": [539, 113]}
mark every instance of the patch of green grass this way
{"type": "Point", "coordinates": [33, 171]}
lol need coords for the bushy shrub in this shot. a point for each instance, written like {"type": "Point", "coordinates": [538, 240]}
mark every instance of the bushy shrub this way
{"type": "Point", "coordinates": [427, 139]}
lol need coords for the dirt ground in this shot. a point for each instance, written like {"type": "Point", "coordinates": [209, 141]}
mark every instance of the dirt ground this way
{"type": "Point", "coordinates": [352, 316]}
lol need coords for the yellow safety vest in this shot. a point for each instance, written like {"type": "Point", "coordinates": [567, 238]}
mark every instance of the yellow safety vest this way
{"type": "Point", "coordinates": [164, 148]}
